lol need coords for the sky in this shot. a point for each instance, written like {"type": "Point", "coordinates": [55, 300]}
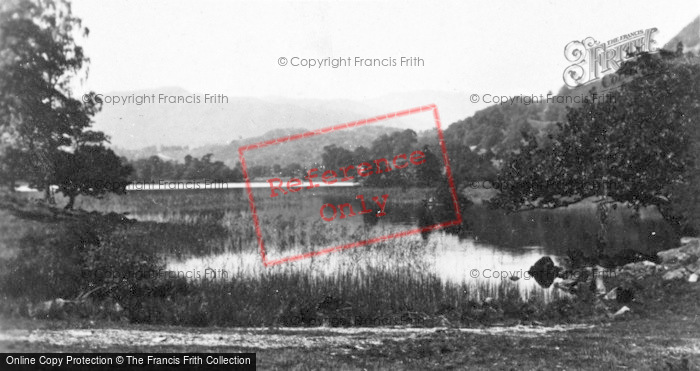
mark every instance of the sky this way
{"type": "Point", "coordinates": [234, 47]}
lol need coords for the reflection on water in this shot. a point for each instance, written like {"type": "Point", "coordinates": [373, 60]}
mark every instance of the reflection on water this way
{"type": "Point", "coordinates": [452, 259]}
{"type": "Point", "coordinates": [488, 240]}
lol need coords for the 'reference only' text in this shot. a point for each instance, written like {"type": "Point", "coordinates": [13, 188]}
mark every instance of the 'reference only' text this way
{"type": "Point", "coordinates": [347, 173]}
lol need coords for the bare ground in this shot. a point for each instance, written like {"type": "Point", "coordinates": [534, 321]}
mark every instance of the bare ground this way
{"type": "Point", "coordinates": [634, 344]}
{"type": "Point", "coordinates": [253, 338]}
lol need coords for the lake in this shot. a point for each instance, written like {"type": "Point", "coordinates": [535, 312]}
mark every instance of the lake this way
{"type": "Point", "coordinates": [489, 245]}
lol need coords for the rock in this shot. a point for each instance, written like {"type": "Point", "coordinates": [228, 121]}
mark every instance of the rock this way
{"type": "Point", "coordinates": [677, 256]}
{"type": "Point", "coordinates": [676, 274]}
{"type": "Point", "coordinates": [691, 247]}
{"type": "Point", "coordinates": [611, 295]}
{"type": "Point", "coordinates": [640, 270]}
{"type": "Point", "coordinates": [693, 277]}
{"type": "Point", "coordinates": [544, 271]}
{"type": "Point", "coordinates": [599, 283]}
{"type": "Point", "coordinates": [488, 300]}
{"type": "Point", "coordinates": [694, 268]}
{"type": "Point", "coordinates": [568, 285]}
{"type": "Point", "coordinates": [626, 256]}
{"type": "Point", "coordinates": [622, 311]}
{"type": "Point", "coordinates": [687, 240]}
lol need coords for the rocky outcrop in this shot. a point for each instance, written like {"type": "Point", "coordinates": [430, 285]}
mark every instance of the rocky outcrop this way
{"type": "Point", "coordinates": [681, 263]}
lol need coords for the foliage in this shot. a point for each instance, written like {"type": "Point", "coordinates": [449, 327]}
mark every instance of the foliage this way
{"type": "Point", "coordinates": [386, 146]}
{"type": "Point", "coordinates": [497, 128]}
{"type": "Point", "coordinates": [76, 254]}
{"type": "Point", "coordinates": [46, 136]}
{"type": "Point", "coordinates": [39, 59]}
{"type": "Point", "coordinates": [634, 147]}
{"type": "Point", "coordinates": [430, 172]}
{"type": "Point", "coordinates": [469, 166]}
{"type": "Point", "coordinates": [154, 168]}
{"type": "Point", "coordinates": [90, 170]}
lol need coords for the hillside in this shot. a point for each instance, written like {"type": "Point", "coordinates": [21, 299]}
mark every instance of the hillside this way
{"type": "Point", "coordinates": [689, 36]}
{"type": "Point", "coordinates": [306, 151]}
{"type": "Point", "coordinates": [498, 128]}
{"type": "Point", "coordinates": [172, 131]}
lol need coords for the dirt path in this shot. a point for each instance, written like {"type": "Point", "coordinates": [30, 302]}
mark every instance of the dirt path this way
{"type": "Point", "coordinates": [641, 344]}
{"type": "Point", "coordinates": [251, 338]}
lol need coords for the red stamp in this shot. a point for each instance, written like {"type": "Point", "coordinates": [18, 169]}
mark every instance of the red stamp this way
{"type": "Point", "coordinates": [281, 187]}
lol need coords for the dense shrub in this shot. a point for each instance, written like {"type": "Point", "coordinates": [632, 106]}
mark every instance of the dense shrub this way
{"type": "Point", "coordinates": [88, 258]}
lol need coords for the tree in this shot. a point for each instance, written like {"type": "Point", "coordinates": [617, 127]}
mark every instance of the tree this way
{"type": "Point", "coordinates": [12, 165]}
{"type": "Point", "coordinates": [430, 172]}
{"type": "Point", "coordinates": [334, 157]}
{"type": "Point", "coordinates": [90, 170]}
{"type": "Point", "coordinates": [634, 147]}
{"type": "Point", "coordinates": [39, 59]}
{"type": "Point", "coordinates": [387, 146]}
{"type": "Point", "coordinates": [154, 168]}
{"type": "Point", "coordinates": [292, 170]}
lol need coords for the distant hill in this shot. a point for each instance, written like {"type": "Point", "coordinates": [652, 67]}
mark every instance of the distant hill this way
{"type": "Point", "coordinates": [133, 127]}
{"type": "Point", "coordinates": [304, 151]}
{"type": "Point", "coordinates": [172, 131]}
{"type": "Point", "coordinates": [689, 36]}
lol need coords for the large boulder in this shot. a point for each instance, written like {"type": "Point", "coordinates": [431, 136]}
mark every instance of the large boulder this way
{"type": "Point", "coordinates": [544, 271]}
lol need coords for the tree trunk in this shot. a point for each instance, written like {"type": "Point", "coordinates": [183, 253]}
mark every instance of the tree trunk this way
{"type": "Point", "coordinates": [71, 202]}
{"type": "Point", "coordinates": [48, 195]}
{"type": "Point", "coordinates": [603, 212]}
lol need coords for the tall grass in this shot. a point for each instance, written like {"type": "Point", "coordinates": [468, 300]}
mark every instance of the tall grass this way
{"type": "Point", "coordinates": [558, 231]}
{"type": "Point", "coordinates": [390, 282]}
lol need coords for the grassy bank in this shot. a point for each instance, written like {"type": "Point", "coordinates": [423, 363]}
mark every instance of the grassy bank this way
{"type": "Point", "coordinates": [48, 254]}
{"type": "Point", "coordinates": [111, 268]}
{"type": "Point", "coordinates": [660, 333]}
